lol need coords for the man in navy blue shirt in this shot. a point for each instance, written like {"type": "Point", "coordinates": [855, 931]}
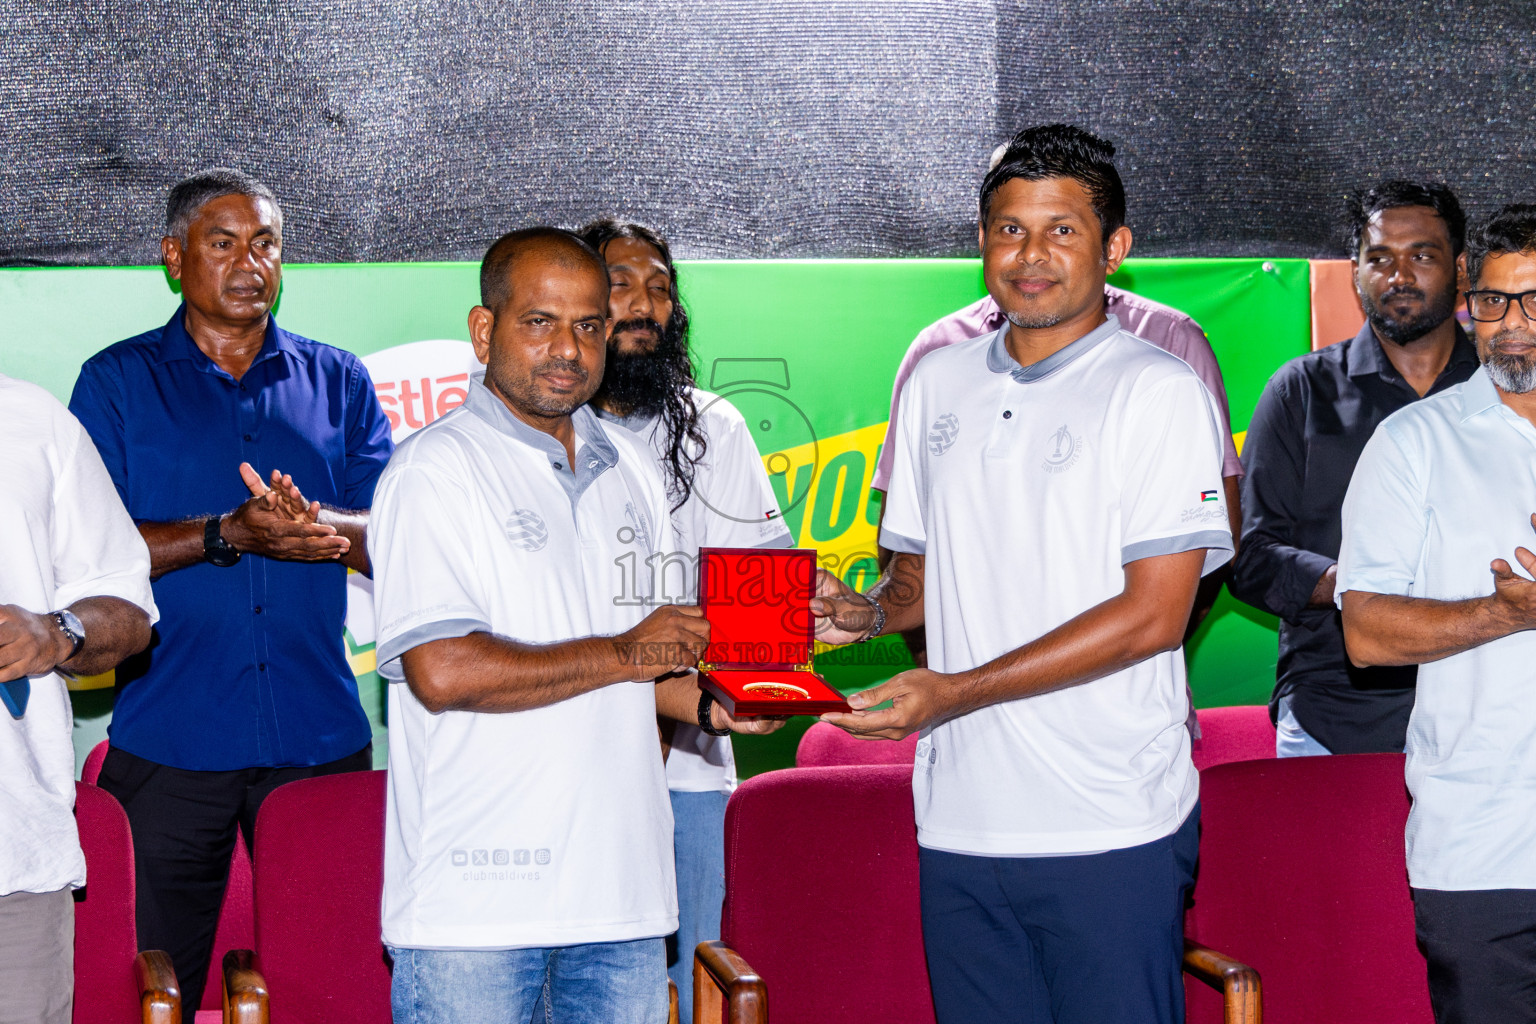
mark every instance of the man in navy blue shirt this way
{"type": "Point", "coordinates": [246, 685]}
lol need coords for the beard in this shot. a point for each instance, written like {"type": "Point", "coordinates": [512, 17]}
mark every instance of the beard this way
{"type": "Point", "coordinates": [523, 393]}
{"type": "Point", "coordinates": [641, 382]}
{"type": "Point", "coordinates": [1034, 321]}
{"type": "Point", "coordinates": [1512, 373]}
{"type": "Point", "coordinates": [1409, 328]}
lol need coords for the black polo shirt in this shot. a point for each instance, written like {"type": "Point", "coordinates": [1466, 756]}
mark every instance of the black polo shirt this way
{"type": "Point", "coordinates": [1311, 423]}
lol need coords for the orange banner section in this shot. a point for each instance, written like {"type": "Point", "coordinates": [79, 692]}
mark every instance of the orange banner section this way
{"type": "Point", "coordinates": [1336, 312]}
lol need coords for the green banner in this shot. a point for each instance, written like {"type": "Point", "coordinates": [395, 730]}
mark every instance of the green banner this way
{"type": "Point", "coordinates": [806, 349]}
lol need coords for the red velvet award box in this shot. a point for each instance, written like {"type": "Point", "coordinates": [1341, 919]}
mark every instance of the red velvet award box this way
{"type": "Point", "coordinates": [758, 603]}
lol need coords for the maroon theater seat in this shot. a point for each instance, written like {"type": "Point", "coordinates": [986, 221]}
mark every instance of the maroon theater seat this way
{"type": "Point", "coordinates": [1240, 733]}
{"type": "Point", "coordinates": [1302, 875]}
{"type": "Point", "coordinates": [235, 929]}
{"type": "Point", "coordinates": [821, 897]}
{"type": "Point", "coordinates": [113, 980]}
{"type": "Point", "coordinates": [822, 909]}
{"type": "Point", "coordinates": [825, 745]}
{"type": "Point", "coordinates": [319, 882]}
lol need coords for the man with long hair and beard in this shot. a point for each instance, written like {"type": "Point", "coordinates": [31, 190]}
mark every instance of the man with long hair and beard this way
{"type": "Point", "coordinates": [720, 497]}
{"type": "Point", "coordinates": [1307, 432]}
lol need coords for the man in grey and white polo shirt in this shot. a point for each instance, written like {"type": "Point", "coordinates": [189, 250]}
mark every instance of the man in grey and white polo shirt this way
{"type": "Point", "coordinates": [1439, 508]}
{"type": "Point", "coordinates": [528, 851]}
{"type": "Point", "coordinates": [75, 598]}
{"type": "Point", "coordinates": [1056, 498]}
{"type": "Point", "coordinates": [720, 497]}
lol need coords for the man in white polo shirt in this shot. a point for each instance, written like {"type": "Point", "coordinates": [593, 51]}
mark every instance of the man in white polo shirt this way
{"type": "Point", "coordinates": [74, 597]}
{"type": "Point", "coordinates": [1439, 507]}
{"type": "Point", "coordinates": [528, 845]}
{"type": "Point", "coordinates": [1056, 497]}
{"type": "Point", "coordinates": [720, 497]}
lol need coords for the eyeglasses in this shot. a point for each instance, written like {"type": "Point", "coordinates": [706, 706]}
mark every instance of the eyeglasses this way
{"type": "Point", "coordinates": [1490, 307]}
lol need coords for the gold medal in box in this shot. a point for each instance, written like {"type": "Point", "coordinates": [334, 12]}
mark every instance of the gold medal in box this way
{"type": "Point", "coordinates": [758, 604]}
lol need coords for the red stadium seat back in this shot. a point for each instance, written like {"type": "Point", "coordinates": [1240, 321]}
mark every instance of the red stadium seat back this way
{"type": "Point", "coordinates": [105, 937]}
{"type": "Point", "coordinates": [91, 770]}
{"type": "Point", "coordinates": [822, 894]}
{"type": "Point", "coordinates": [319, 880]}
{"type": "Point", "coordinates": [825, 745]}
{"type": "Point", "coordinates": [1241, 733]}
{"type": "Point", "coordinates": [236, 928]}
{"type": "Point", "coordinates": [1302, 876]}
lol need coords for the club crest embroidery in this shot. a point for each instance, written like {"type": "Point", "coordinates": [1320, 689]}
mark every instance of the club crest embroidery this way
{"type": "Point", "coordinates": [526, 529]}
{"type": "Point", "coordinates": [1062, 450]}
{"type": "Point", "coordinates": [942, 435]}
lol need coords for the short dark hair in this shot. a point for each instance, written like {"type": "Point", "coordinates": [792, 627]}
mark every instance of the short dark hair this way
{"type": "Point", "coordinates": [1062, 151]}
{"type": "Point", "coordinates": [1398, 192]}
{"type": "Point", "coordinates": [1509, 229]}
{"type": "Point", "coordinates": [558, 244]}
{"type": "Point", "coordinates": [192, 193]}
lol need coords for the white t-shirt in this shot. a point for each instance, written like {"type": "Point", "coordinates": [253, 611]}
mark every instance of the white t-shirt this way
{"type": "Point", "coordinates": [731, 505]}
{"type": "Point", "coordinates": [1442, 488]}
{"type": "Point", "coordinates": [537, 828]}
{"type": "Point", "coordinates": [64, 536]}
{"type": "Point", "coordinates": [1028, 489]}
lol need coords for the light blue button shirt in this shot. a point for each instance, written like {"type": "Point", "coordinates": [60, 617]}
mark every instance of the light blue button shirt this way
{"type": "Point", "coordinates": [1444, 487]}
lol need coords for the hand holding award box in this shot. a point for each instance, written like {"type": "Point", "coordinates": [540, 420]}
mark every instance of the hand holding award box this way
{"type": "Point", "coordinates": [758, 605]}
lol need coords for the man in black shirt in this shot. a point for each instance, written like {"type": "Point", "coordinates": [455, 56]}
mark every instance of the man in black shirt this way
{"type": "Point", "coordinates": [1307, 432]}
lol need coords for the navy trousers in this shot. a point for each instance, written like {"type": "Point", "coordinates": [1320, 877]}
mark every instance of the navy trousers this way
{"type": "Point", "coordinates": [1095, 939]}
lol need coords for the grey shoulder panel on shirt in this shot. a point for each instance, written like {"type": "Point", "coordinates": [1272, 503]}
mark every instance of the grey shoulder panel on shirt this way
{"type": "Point", "coordinates": [893, 541]}
{"type": "Point", "coordinates": [390, 651]}
{"type": "Point", "coordinates": [783, 540]}
{"type": "Point", "coordinates": [1174, 545]}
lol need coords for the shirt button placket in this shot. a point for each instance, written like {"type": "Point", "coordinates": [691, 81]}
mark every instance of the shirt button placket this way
{"type": "Point", "coordinates": [248, 402]}
{"type": "Point", "coordinates": [1004, 433]}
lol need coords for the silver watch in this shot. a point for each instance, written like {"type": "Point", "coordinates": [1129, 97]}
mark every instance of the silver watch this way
{"type": "Point", "coordinates": [70, 625]}
{"type": "Point", "coordinates": [874, 630]}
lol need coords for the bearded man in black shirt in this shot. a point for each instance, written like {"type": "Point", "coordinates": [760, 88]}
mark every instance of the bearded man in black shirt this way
{"type": "Point", "coordinates": [1307, 432]}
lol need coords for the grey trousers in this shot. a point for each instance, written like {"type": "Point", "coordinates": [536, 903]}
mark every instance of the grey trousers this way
{"type": "Point", "coordinates": [37, 957]}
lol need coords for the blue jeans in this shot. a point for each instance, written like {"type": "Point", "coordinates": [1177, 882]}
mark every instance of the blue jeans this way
{"type": "Point", "coordinates": [1095, 939]}
{"type": "Point", "coordinates": [698, 844]}
{"type": "Point", "coordinates": [599, 983]}
{"type": "Point", "coordinates": [1291, 740]}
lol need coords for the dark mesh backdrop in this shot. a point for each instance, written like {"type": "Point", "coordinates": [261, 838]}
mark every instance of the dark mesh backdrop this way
{"type": "Point", "coordinates": [739, 129]}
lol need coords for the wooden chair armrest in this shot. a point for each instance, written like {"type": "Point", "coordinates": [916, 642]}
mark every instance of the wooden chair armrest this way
{"type": "Point", "coordinates": [672, 1002]}
{"type": "Point", "coordinates": [159, 995]}
{"type": "Point", "coordinates": [719, 971]}
{"type": "Point", "coordinates": [1241, 993]}
{"type": "Point", "coordinates": [245, 990]}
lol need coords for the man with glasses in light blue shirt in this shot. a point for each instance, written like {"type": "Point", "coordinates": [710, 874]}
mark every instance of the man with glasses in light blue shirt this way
{"type": "Point", "coordinates": [1435, 570]}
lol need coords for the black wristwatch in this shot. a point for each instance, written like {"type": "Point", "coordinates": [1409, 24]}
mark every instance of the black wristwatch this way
{"type": "Point", "coordinates": [707, 700]}
{"type": "Point", "coordinates": [216, 550]}
{"type": "Point", "coordinates": [70, 625]}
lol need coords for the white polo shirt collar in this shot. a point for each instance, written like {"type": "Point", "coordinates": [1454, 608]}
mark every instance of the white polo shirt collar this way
{"type": "Point", "coordinates": [1000, 360]}
{"type": "Point", "coordinates": [594, 456]}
